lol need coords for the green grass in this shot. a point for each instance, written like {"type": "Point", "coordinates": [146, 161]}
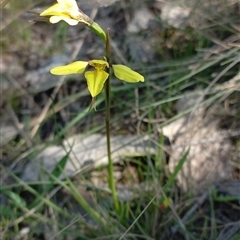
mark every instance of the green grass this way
{"type": "Point", "coordinates": [79, 209]}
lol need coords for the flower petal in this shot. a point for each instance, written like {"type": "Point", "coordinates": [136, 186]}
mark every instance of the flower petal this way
{"type": "Point", "coordinates": [95, 81]}
{"type": "Point", "coordinates": [125, 73]}
{"type": "Point", "coordinates": [68, 20]}
{"type": "Point", "coordinates": [65, 8]}
{"type": "Point", "coordinates": [72, 68]}
{"type": "Point", "coordinates": [55, 10]}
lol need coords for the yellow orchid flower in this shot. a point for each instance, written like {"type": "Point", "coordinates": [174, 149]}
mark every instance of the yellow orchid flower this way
{"type": "Point", "coordinates": [68, 11]}
{"type": "Point", "coordinates": [96, 78]}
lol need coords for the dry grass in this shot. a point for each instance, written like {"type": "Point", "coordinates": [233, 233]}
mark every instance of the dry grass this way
{"type": "Point", "coordinates": [39, 110]}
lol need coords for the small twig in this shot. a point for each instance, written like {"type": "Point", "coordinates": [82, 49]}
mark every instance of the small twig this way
{"type": "Point", "coordinates": [4, 3]}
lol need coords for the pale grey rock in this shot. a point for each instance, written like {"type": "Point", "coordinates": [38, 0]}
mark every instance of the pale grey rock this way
{"type": "Point", "coordinates": [175, 15]}
{"type": "Point", "coordinates": [7, 133]}
{"type": "Point", "coordinates": [85, 153]}
{"type": "Point", "coordinates": [194, 13]}
{"type": "Point", "coordinates": [209, 157]}
{"type": "Point", "coordinates": [141, 49]}
{"type": "Point", "coordinates": [41, 79]}
{"type": "Point", "coordinates": [230, 188]}
{"type": "Point", "coordinates": [140, 21]}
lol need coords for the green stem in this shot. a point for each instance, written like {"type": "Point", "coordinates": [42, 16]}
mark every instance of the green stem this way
{"type": "Point", "coordinates": [111, 181]}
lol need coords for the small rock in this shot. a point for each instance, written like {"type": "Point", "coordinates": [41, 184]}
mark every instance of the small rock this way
{"type": "Point", "coordinates": [174, 15]}
{"type": "Point", "coordinates": [141, 49]}
{"type": "Point", "coordinates": [7, 133]}
{"type": "Point", "coordinates": [141, 19]}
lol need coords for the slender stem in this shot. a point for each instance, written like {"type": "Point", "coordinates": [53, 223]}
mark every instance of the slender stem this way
{"type": "Point", "coordinates": [111, 181]}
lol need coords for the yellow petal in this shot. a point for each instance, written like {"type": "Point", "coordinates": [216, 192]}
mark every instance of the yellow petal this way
{"type": "Point", "coordinates": [56, 19]}
{"type": "Point", "coordinates": [55, 10]}
{"type": "Point", "coordinates": [125, 73]}
{"type": "Point", "coordinates": [65, 8]}
{"type": "Point", "coordinates": [72, 68]}
{"type": "Point", "coordinates": [95, 81]}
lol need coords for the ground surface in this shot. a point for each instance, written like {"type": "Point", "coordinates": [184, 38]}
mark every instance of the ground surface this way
{"type": "Point", "coordinates": [185, 49]}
